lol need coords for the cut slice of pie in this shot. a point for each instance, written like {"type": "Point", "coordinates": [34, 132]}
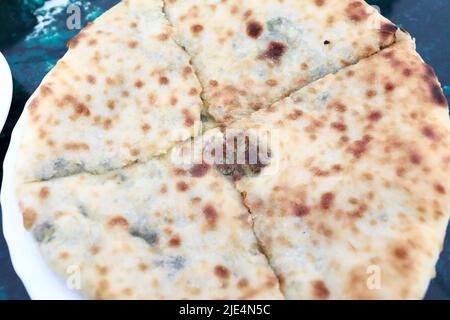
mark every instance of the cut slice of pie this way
{"type": "Point", "coordinates": [124, 92]}
{"type": "Point", "coordinates": [152, 231]}
{"type": "Point", "coordinates": [249, 54]}
{"type": "Point", "coordinates": [357, 203]}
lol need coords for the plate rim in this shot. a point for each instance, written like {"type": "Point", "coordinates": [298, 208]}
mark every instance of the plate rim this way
{"type": "Point", "coordinates": [5, 82]}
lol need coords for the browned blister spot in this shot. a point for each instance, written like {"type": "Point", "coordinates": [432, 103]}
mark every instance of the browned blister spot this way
{"type": "Point", "coordinates": [339, 126]}
{"type": "Point", "coordinates": [326, 201]}
{"type": "Point", "coordinates": [222, 272]}
{"type": "Point", "coordinates": [438, 95]}
{"type": "Point", "coordinates": [359, 147]}
{"type": "Point", "coordinates": [135, 152]}
{"type": "Point", "coordinates": [320, 290]}
{"type": "Point", "coordinates": [91, 79]}
{"type": "Point", "coordinates": [339, 107]}
{"type": "Point", "coordinates": [163, 37]}
{"type": "Point", "coordinates": [73, 43]}
{"type": "Point", "coordinates": [242, 284]}
{"type": "Point", "coordinates": [182, 186]}
{"type": "Point", "coordinates": [76, 146]}
{"type": "Point", "coordinates": [143, 267]}
{"type": "Point", "coordinates": [356, 11]}
{"type": "Point", "coordinates": [133, 44]}
{"type": "Point", "coordinates": [102, 290]}
{"type": "Point", "coordinates": [254, 29]}
{"type": "Point", "coordinates": [29, 218]}
{"type": "Point", "coordinates": [94, 249]}
{"type": "Point", "coordinates": [64, 255]}
{"type": "Point", "coordinates": [46, 90]}
{"type": "Point", "coordinates": [430, 133]}
{"type": "Point", "coordinates": [118, 221]}
{"type": "Point", "coordinates": [139, 84]}
{"type": "Point", "coordinates": [175, 241]}
{"type": "Point", "coordinates": [375, 116]}
{"type": "Point", "coordinates": [163, 189]}
{"type": "Point", "coordinates": [187, 70]}
{"type": "Point", "coordinates": [401, 253]}
{"type": "Point", "coordinates": [415, 158]}
{"type": "Point", "coordinates": [294, 115]}
{"type": "Point", "coordinates": [146, 127]}
{"type": "Point", "coordinates": [102, 270]}
{"type": "Point", "coordinates": [274, 51]}
{"type": "Point", "coordinates": [371, 93]}
{"type": "Point", "coordinates": [189, 119]}
{"type": "Point", "coordinates": [319, 3]}
{"type": "Point", "coordinates": [196, 28]}
{"type": "Point", "coordinates": [164, 81]}
{"type": "Point", "coordinates": [210, 214]}
{"type": "Point", "coordinates": [199, 170]}
{"type": "Point", "coordinates": [389, 87]}
{"type": "Point", "coordinates": [301, 210]}
{"type": "Point", "coordinates": [440, 188]}
{"type": "Point", "coordinates": [387, 31]}
{"type": "Point", "coordinates": [193, 92]}
{"type": "Point", "coordinates": [111, 104]}
{"type": "Point", "coordinates": [44, 192]}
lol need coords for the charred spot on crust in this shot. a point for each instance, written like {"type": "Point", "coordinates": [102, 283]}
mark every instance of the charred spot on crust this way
{"type": "Point", "coordinates": [438, 95]}
{"type": "Point", "coordinates": [388, 27]}
{"type": "Point", "coordinates": [254, 29]}
{"type": "Point", "coordinates": [387, 30]}
{"type": "Point", "coordinates": [148, 235]}
{"type": "Point", "coordinates": [242, 161]}
{"type": "Point", "coordinates": [274, 51]}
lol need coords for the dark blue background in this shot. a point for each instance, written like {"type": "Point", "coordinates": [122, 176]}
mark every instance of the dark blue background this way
{"type": "Point", "coordinates": [32, 53]}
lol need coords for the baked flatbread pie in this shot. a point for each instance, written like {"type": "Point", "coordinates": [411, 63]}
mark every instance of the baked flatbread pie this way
{"type": "Point", "coordinates": [340, 147]}
{"type": "Point", "coordinates": [124, 92]}
{"type": "Point", "coordinates": [248, 54]}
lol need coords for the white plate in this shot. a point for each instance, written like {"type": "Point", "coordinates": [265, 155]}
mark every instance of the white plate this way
{"type": "Point", "coordinates": [39, 280]}
{"type": "Point", "coordinates": [6, 87]}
